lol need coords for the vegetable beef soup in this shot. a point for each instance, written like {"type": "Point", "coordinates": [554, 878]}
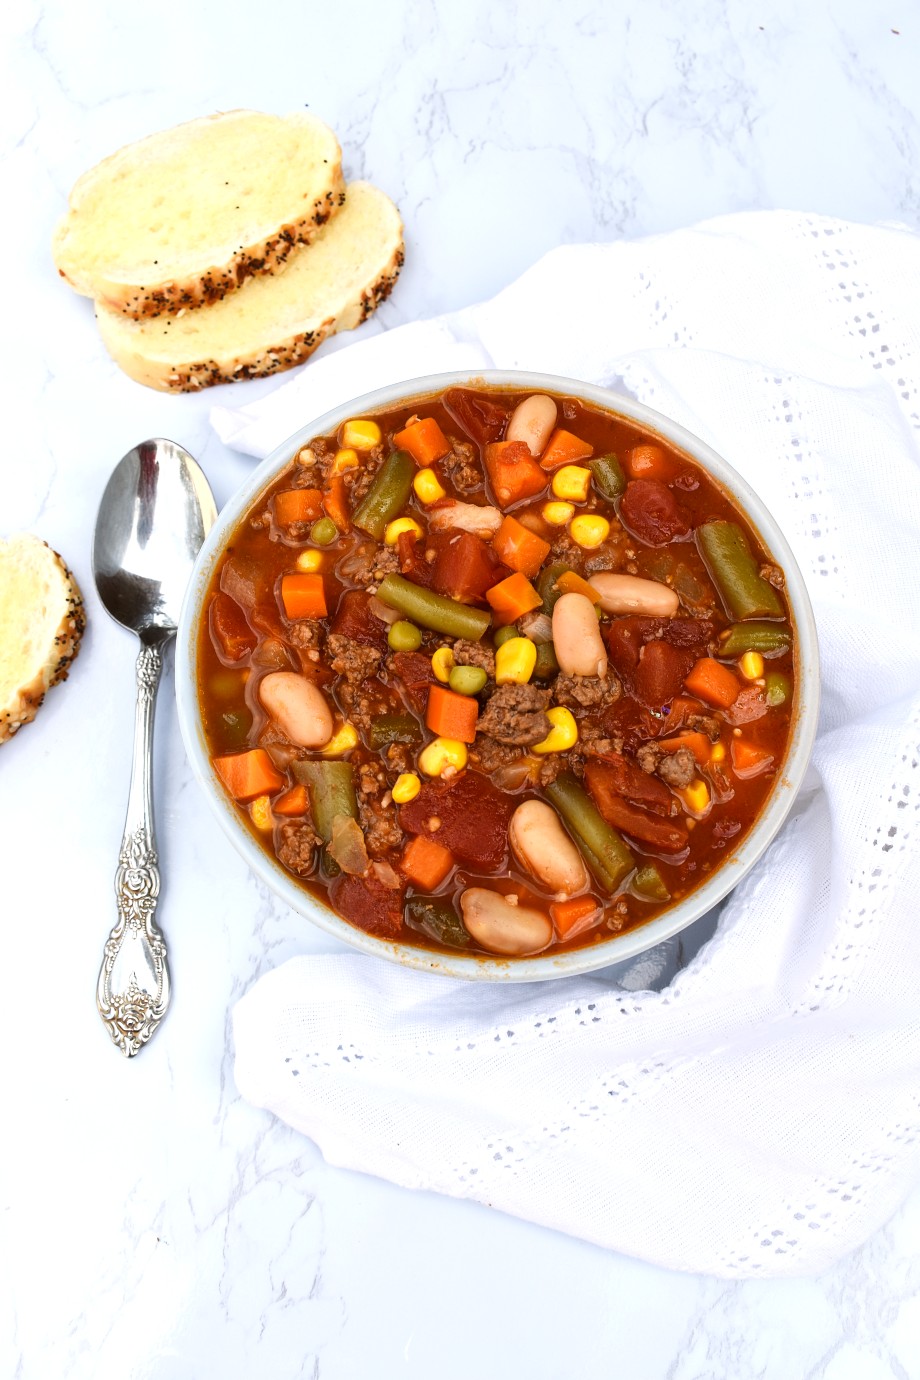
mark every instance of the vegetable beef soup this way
{"type": "Point", "coordinates": [496, 673]}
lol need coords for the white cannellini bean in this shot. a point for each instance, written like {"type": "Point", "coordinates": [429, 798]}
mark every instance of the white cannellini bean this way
{"type": "Point", "coordinates": [545, 850]}
{"type": "Point", "coordinates": [469, 517]}
{"type": "Point", "coordinates": [630, 594]}
{"type": "Point", "coordinates": [298, 707]}
{"type": "Point", "coordinates": [532, 421]}
{"type": "Point", "coordinates": [502, 927]}
{"type": "Point", "coordinates": [577, 639]}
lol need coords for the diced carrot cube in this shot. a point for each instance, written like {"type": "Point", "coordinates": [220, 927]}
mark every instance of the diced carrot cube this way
{"type": "Point", "coordinates": [748, 759]}
{"type": "Point", "coordinates": [424, 440]}
{"type": "Point", "coordinates": [293, 801]}
{"type": "Point", "coordinates": [566, 914]}
{"type": "Point", "coordinates": [513, 472]}
{"type": "Point", "coordinates": [713, 682]}
{"type": "Point", "coordinates": [450, 715]}
{"type": "Point", "coordinates": [297, 505]}
{"type": "Point", "coordinates": [303, 595]}
{"type": "Point", "coordinates": [425, 862]}
{"type": "Point", "coordinates": [564, 449]}
{"type": "Point", "coordinates": [513, 597]}
{"type": "Point", "coordinates": [518, 548]}
{"type": "Point", "coordinates": [248, 774]}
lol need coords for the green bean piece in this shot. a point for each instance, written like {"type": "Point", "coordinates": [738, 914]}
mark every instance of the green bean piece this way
{"type": "Point", "coordinates": [745, 593]}
{"type": "Point", "coordinates": [755, 637]}
{"type": "Point", "coordinates": [387, 496]}
{"type": "Point", "coordinates": [649, 884]}
{"type": "Point", "coordinates": [546, 584]}
{"type": "Point", "coordinates": [505, 634]}
{"type": "Point", "coordinates": [437, 918]}
{"type": "Point", "coordinates": [604, 850]}
{"type": "Point", "coordinates": [404, 637]}
{"type": "Point", "coordinates": [434, 611]}
{"type": "Point", "coordinates": [777, 689]}
{"type": "Point", "coordinates": [467, 680]}
{"type": "Point", "coordinates": [324, 532]}
{"type": "Point", "coordinates": [331, 789]}
{"type": "Point", "coordinates": [393, 728]}
{"type": "Point", "coordinates": [609, 479]}
{"type": "Point", "coordinates": [546, 664]}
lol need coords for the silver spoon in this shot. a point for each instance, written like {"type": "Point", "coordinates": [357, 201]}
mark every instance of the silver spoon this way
{"type": "Point", "coordinates": [154, 515]}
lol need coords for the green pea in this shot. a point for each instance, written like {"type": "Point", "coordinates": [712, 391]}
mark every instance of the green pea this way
{"type": "Point", "coordinates": [467, 680]}
{"type": "Point", "coordinates": [404, 636]}
{"type": "Point", "coordinates": [324, 532]}
{"type": "Point", "coordinates": [505, 634]}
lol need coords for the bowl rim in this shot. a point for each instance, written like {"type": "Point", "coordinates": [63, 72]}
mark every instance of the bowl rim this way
{"type": "Point", "coordinates": [615, 948]}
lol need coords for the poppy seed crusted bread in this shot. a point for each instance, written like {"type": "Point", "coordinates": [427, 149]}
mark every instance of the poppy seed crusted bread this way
{"type": "Point", "coordinates": [41, 623]}
{"type": "Point", "coordinates": [272, 322]}
{"type": "Point", "coordinates": [183, 217]}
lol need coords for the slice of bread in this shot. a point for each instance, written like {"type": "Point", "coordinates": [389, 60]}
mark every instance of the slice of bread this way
{"type": "Point", "coordinates": [184, 216]}
{"type": "Point", "coordinates": [271, 323]}
{"type": "Point", "coordinates": [41, 623]}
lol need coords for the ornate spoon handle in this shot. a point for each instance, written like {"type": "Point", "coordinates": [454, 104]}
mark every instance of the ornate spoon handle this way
{"type": "Point", "coordinates": [133, 989]}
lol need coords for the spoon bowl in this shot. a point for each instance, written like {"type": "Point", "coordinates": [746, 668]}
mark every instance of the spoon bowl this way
{"type": "Point", "coordinates": [155, 513]}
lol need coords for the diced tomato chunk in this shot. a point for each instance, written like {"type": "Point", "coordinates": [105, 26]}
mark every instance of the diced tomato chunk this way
{"type": "Point", "coordinates": [473, 817]}
{"type": "Point", "coordinates": [415, 671]}
{"type": "Point", "coordinates": [661, 835]}
{"type": "Point", "coordinates": [232, 636]}
{"type": "Point", "coordinates": [630, 781]}
{"type": "Point", "coordinates": [464, 567]}
{"type": "Point", "coordinates": [650, 511]}
{"type": "Point", "coordinates": [367, 903]}
{"type": "Point", "coordinates": [354, 619]}
{"type": "Point", "coordinates": [483, 419]}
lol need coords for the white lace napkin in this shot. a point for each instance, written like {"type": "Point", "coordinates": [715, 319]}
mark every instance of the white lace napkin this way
{"type": "Point", "coordinates": [761, 1115]}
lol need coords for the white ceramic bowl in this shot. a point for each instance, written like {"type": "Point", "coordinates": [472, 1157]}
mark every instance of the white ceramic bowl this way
{"type": "Point", "coordinates": [549, 965]}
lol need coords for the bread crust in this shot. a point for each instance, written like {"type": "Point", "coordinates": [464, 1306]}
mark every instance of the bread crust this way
{"type": "Point", "coordinates": [212, 281]}
{"type": "Point", "coordinates": [23, 701]}
{"type": "Point", "coordinates": [288, 349]}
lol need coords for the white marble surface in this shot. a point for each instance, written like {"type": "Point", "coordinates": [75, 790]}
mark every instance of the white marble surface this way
{"type": "Point", "coordinates": [154, 1224]}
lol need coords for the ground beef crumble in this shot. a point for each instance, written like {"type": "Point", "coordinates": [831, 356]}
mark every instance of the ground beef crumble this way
{"type": "Point", "coordinates": [676, 769]}
{"type": "Point", "coordinates": [297, 846]}
{"type": "Point", "coordinates": [351, 659]}
{"type": "Point", "coordinates": [463, 467]}
{"type": "Point", "coordinates": [360, 478]}
{"type": "Point", "coordinates": [516, 714]}
{"type": "Point", "coordinates": [307, 636]}
{"type": "Point", "coordinates": [489, 754]}
{"type": "Point", "coordinates": [474, 654]}
{"type": "Point", "coordinates": [379, 822]}
{"type": "Point", "coordinates": [586, 692]}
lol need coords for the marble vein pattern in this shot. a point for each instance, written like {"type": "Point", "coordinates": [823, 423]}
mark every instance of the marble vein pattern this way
{"type": "Point", "coordinates": [153, 1224]}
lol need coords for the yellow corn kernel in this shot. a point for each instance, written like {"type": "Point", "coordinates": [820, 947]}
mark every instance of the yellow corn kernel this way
{"type": "Point", "coordinates": [261, 813]}
{"type": "Point", "coordinates": [696, 796]}
{"type": "Point", "coordinates": [343, 740]}
{"type": "Point", "coordinates": [428, 487]}
{"type": "Point", "coordinates": [441, 663]}
{"type": "Point", "coordinates": [361, 434]}
{"type": "Point", "coordinates": [751, 665]}
{"type": "Point", "coordinates": [345, 459]}
{"type": "Point", "coordinates": [718, 752]}
{"type": "Point", "coordinates": [589, 529]}
{"type": "Point", "coordinates": [514, 661]}
{"type": "Point", "coordinates": [399, 525]}
{"type": "Point", "coordinates": [406, 787]}
{"type": "Point", "coordinates": [443, 752]}
{"type": "Point", "coordinates": [562, 735]}
{"type": "Point", "coordinates": [572, 482]}
{"type": "Point", "coordinates": [310, 560]}
{"type": "Point", "coordinates": [558, 514]}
